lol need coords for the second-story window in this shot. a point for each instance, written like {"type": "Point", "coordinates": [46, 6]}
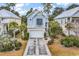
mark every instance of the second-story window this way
{"type": "Point", "coordinates": [39, 22]}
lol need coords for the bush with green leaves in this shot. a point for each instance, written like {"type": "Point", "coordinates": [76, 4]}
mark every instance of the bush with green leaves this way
{"type": "Point", "coordinates": [76, 43]}
{"type": "Point", "coordinates": [7, 44]}
{"type": "Point", "coordinates": [17, 45]}
{"type": "Point", "coordinates": [54, 28]}
{"type": "Point", "coordinates": [26, 36]}
{"type": "Point", "coordinates": [70, 41]}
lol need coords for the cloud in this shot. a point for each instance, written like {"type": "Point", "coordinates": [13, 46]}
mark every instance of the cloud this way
{"type": "Point", "coordinates": [20, 9]}
{"type": "Point", "coordinates": [23, 12]}
{"type": "Point", "coordinates": [19, 5]}
{"type": "Point", "coordinates": [39, 8]}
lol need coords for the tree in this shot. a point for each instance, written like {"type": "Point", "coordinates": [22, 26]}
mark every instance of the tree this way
{"type": "Point", "coordinates": [23, 28]}
{"type": "Point", "coordinates": [47, 7]}
{"type": "Point", "coordinates": [13, 26]}
{"type": "Point", "coordinates": [51, 18]}
{"type": "Point", "coordinates": [57, 11]}
{"type": "Point", "coordinates": [5, 7]}
{"type": "Point", "coordinates": [11, 5]}
{"type": "Point", "coordinates": [54, 28]}
{"type": "Point", "coordinates": [24, 19]}
{"type": "Point", "coordinates": [15, 12]}
{"type": "Point", "coordinates": [31, 9]}
{"type": "Point", "coordinates": [72, 6]}
{"type": "Point", "coordinates": [69, 26]}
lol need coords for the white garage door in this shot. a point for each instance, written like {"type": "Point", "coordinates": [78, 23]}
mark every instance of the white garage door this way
{"type": "Point", "coordinates": [36, 34]}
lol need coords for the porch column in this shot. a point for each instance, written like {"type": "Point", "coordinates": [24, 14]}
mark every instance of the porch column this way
{"type": "Point", "coordinates": [70, 19]}
{"type": "Point", "coordinates": [4, 29]}
{"type": "Point", "coordinates": [66, 20]}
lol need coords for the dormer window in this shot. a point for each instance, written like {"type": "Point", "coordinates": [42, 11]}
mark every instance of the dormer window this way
{"type": "Point", "coordinates": [39, 22]}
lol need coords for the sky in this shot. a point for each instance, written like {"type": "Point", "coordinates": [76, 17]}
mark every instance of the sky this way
{"type": "Point", "coordinates": [22, 8]}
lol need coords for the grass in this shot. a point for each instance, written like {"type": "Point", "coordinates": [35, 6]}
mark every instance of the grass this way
{"type": "Point", "coordinates": [19, 52]}
{"type": "Point", "coordinates": [57, 49]}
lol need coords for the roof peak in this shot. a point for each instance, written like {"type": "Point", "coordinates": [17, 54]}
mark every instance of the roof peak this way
{"type": "Point", "coordinates": [68, 13]}
{"type": "Point", "coordinates": [7, 13]}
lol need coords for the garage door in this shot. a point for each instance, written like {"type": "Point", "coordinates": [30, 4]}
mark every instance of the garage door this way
{"type": "Point", "coordinates": [36, 34]}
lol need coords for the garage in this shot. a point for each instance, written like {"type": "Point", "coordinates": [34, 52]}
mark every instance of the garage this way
{"type": "Point", "coordinates": [36, 34]}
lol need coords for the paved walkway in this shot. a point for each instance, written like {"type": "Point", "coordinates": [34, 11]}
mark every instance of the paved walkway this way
{"type": "Point", "coordinates": [36, 47]}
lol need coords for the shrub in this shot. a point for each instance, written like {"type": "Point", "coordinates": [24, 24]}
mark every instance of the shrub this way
{"type": "Point", "coordinates": [70, 41]}
{"type": "Point", "coordinates": [10, 32]}
{"type": "Point", "coordinates": [8, 47]}
{"type": "Point", "coordinates": [76, 43]}
{"type": "Point", "coordinates": [26, 36]}
{"type": "Point", "coordinates": [63, 34]}
{"type": "Point", "coordinates": [6, 44]}
{"type": "Point", "coordinates": [50, 42]}
{"type": "Point", "coordinates": [17, 45]}
{"type": "Point", "coordinates": [17, 32]}
{"type": "Point", "coordinates": [67, 43]}
{"type": "Point", "coordinates": [54, 28]}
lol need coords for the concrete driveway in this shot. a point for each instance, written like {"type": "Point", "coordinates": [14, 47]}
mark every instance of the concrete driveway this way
{"type": "Point", "coordinates": [36, 46]}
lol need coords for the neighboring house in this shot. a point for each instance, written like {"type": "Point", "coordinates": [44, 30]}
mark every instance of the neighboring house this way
{"type": "Point", "coordinates": [69, 16]}
{"type": "Point", "coordinates": [5, 18]}
{"type": "Point", "coordinates": [37, 24]}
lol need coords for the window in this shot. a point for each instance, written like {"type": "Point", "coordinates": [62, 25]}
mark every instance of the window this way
{"type": "Point", "coordinates": [72, 20]}
{"type": "Point", "coordinates": [39, 22]}
{"type": "Point", "coordinates": [46, 24]}
{"type": "Point", "coordinates": [68, 19]}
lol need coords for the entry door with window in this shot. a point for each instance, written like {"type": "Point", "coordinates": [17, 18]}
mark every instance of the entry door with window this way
{"type": "Point", "coordinates": [39, 22]}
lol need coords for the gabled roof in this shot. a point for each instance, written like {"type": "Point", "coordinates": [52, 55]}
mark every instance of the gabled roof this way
{"type": "Point", "coordinates": [69, 13]}
{"type": "Point", "coordinates": [31, 13]}
{"type": "Point", "coordinates": [35, 12]}
{"type": "Point", "coordinates": [7, 14]}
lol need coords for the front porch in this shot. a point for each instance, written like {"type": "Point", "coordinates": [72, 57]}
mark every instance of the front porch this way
{"type": "Point", "coordinates": [74, 28]}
